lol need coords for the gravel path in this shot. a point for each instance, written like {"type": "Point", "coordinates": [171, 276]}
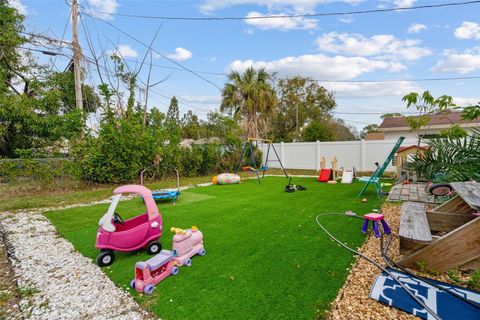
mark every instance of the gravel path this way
{"type": "Point", "coordinates": [57, 282]}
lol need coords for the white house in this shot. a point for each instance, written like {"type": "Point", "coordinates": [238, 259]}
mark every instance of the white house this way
{"type": "Point", "coordinates": [393, 128]}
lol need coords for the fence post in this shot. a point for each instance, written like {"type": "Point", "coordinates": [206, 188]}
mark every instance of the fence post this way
{"type": "Point", "coordinates": [317, 148]}
{"type": "Point", "coordinates": [282, 154]}
{"type": "Point", "coordinates": [362, 155]}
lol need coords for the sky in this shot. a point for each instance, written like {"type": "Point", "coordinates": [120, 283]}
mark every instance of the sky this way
{"type": "Point", "coordinates": [404, 45]}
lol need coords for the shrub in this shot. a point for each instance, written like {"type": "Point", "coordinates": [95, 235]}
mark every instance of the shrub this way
{"type": "Point", "coordinates": [457, 158]}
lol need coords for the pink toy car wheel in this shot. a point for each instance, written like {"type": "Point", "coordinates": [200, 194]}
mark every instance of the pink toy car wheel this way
{"type": "Point", "coordinates": [188, 262]}
{"type": "Point", "coordinates": [105, 258]}
{"type": "Point", "coordinates": [174, 271]}
{"type": "Point", "coordinates": [202, 252]}
{"type": "Point", "coordinates": [132, 284]}
{"type": "Point", "coordinates": [148, 289]}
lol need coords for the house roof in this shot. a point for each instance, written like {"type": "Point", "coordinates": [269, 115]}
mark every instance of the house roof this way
{"type": "Point", "coordinates": [439, 119]}
{"type": "Point", "coordinates": [410, 147]}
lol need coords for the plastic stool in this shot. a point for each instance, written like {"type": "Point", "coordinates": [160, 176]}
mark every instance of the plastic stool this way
{"type": "Point", "coordinates": [374, 217]}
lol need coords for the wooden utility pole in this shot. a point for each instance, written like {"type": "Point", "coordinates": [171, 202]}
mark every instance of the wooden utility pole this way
{"type": "Point", "coordinates": [77, 57]}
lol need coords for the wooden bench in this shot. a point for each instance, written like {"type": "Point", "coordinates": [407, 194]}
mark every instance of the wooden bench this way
{"type": "Point", "coordinates": [414, 229]}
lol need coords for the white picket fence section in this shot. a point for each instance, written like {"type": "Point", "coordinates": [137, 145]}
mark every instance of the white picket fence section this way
{"type": "Point", "coordinates": [359, 154]}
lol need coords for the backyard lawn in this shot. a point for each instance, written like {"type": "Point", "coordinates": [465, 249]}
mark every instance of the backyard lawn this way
{"type": "Point", "coordinates": [266, 257]}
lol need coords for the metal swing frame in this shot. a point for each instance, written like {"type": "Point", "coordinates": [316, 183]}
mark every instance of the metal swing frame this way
{"type": "Point", "coordinates": [264, 167]}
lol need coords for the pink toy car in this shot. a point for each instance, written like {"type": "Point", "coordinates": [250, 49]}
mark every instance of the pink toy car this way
{"type": "Point", "coordinates": [186, 244]}
{"type": "Point", "coordinates": [152, 271]}
{"type": "Point", "coordinates": [142, 231]}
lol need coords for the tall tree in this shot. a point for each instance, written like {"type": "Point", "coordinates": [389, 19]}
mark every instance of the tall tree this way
{"type": "Point", "coordinates": [11, 72]}
{"type": "Point", "coordinates": [192, 127]}
{"type": "Point", "coordinates": [173, 115]}
{"type": "Point", "coordinates": [250, 98]}
{"type": "Point", "coordinates": [301, 101]}
{"type": "Point", "coordinates": [37, 105]}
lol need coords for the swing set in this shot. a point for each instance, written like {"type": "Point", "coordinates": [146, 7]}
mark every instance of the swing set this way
{"type": "Point", "coordinates": [264, 167]}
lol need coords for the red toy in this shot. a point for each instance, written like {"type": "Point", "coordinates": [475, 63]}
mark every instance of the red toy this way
{"type": "Point", "coordinates": [325, 175]}
{"type": "Point", "coordinates": [152, 271]}
{"type": "Point", "coordinates": [142, 231]}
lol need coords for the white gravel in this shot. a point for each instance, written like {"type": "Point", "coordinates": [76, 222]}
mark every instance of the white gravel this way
{"type": "Point", "coordinates": [57, 282]}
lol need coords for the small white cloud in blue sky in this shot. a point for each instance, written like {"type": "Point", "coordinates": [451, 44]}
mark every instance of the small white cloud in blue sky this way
{"type": "Point", "coordinates": [283, 24]}
{"type": "Point", "coordinates": [125, 51]}
{"type": "Point", "coordinates": [468, 30]}
{"type": "Point", "coordinates": [103, 8]}
{"type": "Point", "coordinates": [416, 28]}
{"type": "Point", "coordinates": [180, 54]}
{"type": "Point", "coordinates": [381, 45]}
{"type": "Point", "coordinates": [404, 3]}
{"type": "Point", "coordinates": [464, 62]}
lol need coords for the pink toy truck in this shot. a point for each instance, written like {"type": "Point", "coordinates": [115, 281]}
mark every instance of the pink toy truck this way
{"type": "Point", "coordinates": [142, 231]}
{"type": "Point", "coordinates": [186, 244]}
{"type": "Point", "coordinates": [152, 271]}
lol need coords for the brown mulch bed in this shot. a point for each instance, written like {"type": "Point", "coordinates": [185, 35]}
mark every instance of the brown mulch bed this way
{"type": "Point", "coordinates": [353, 302]}
{"type": "Point", "coordinates": [9, 297]}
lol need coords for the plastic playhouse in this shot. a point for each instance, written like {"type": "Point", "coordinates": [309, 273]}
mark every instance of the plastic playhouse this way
{"type": "Point", "coordinates": [149, 273]}
{"type": "Point", "coordinates": [142, 231]}
{"type": "Point", "coordinates": [186, 244]}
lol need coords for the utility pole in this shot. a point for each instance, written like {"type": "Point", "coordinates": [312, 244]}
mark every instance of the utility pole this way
{"type": "Point", "coordinates": [77, 57]}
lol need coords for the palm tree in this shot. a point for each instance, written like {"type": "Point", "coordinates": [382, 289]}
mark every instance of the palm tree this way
{"type": "Point", "coordinates": [250, 98]}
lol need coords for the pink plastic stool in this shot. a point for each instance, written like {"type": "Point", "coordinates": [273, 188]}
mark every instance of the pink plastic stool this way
{"type": "Point", "coordinates": [374, 217]}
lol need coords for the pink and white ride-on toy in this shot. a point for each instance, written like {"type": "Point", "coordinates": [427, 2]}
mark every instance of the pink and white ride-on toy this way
{"type": "Point", "coordinates": [186, 244]}
{"type": "Point", "coordinates": [143, 231]}
{"type": "Point", "coordinates": [152, 271]}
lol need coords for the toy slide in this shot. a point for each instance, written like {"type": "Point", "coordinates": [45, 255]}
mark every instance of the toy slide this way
{"type": "Point", "coordinates": [325, 175]}
{"type": "Point", "coordinates": [347, 176]}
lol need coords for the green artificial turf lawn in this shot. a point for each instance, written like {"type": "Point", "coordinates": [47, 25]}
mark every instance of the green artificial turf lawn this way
{"type": "Point", "coordinates": [266, 257]}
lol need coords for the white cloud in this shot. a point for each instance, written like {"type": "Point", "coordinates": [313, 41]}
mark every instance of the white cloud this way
{"type": "Point", "coordinates": [371, 89]}
{"type": "Point", "coordinates": [416, 28]}
{"type": "Point", "coordinates": [381, 45]}
{"type": "Point", "coordinates": [283, 24]}
{"type": "Point", "coordinates": [298, 6]}
{"type": "Point", "coordinates": [180, 54]}
{"type": "Point", "coordinates": [404, 3]}
{"type": "Point", "coordinates": [125, 51]}
{"type": "Point", "coordinates": [210, 100]}
{"type": "Point", "coordinates": [17, 4]}
{"type": "Point", "coordinates": [346, 19]}
{"type": "Point", "coordinates": [459, 62]}
{"type": "Point", "coordinates": [103, 8]}
{"type": "Point", "coordinates": [462, 102]}
{"type": "Point", "coordinates": [468, 30]}
{"type": "Point", "coordinates": [320, 66]}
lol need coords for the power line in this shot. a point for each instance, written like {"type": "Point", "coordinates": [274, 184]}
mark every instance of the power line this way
{"type": "Point", "coordinates": [156, 51]}
{"type": "Point", "coordinates": [426, 79]}
{"type": "Point", "coordinates": [288, 16]}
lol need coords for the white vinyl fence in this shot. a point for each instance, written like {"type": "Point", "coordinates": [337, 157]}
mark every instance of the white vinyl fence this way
{"type": "Point", "coordinates": [359, 154]}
